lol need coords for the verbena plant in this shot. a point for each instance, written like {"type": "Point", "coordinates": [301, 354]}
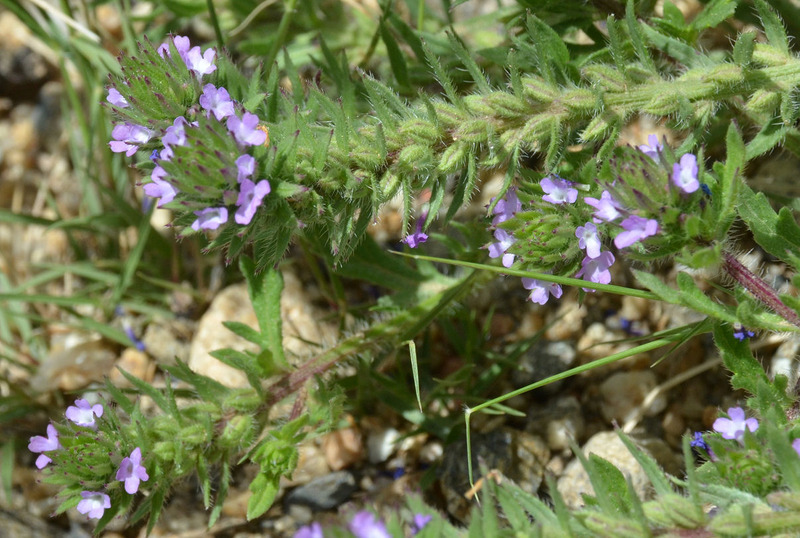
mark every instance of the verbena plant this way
{"type": "Point", "coordinates": [252, 161]}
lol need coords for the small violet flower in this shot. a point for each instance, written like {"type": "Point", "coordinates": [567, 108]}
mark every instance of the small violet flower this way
{"type": "Point", "coordinates": [116, 99]}
{"type": "Point", "coordinates": [596, 269]}
{"type": "Point", "coordinates": [589, 239]}
{"type": "Point", "coordinates": [540, 290]}
{"type": "Point", "coordinates": [83, 413]}
{"type": "Point", "coordinates": [558, 190]}
{"type": "Point", "coordinates": [504, 242]}
{"type": "Point", "coordinates": [210, 218]}
{"type": "Point", "coordinates": [310, 531]}
{"type": "Point", "coordinates": [365, 525]}
{"type": "Point", "coordinates": [742, 334]}
{"type": "Point", "coordinates": [94, 503]}
{"type": "Point", "coordinates": [245, 166]}
{"type": "Point", "coordinates": [131, 471]}
{"type": "Point", "coordinates": [796, 446]}
{"type": "Point", "coordinates": [607, 208]}
{"type": "Point", "coordinates": [160, 187]}
{"type": "Point", "coordinates": [201, 63]}
{"type": "Point", "coordinates": [128, 137]}
{"type": "Point", "coordinates": [245, 130]}
{"type": "Point", "coordinates": [652, 149]}
{"type": "Point", "coordinates": [699, 443]}
{"type": "Point", "coordinates": [506, 207]}
{"type": "Point", "coordinates": [182, 45]}
{"type": "Point", "coordinates": [419, 522]}
{"type": "Point", "coordinates": [250, 197]}
{"type": "Point", "coordinates": [734, 427]}
{"type": "Point", "coordinates": [418, 237]}
{"type": "Point", "coordinates": [635, 229]}
{"type": "Point", "coordinates": [39, 444]}
{"type": "Point", "coordinates": [684, 174]}
{"type": "Point", "coordinates": [175, 135]}
{"type": "Point", "coordinates": [217, 101]}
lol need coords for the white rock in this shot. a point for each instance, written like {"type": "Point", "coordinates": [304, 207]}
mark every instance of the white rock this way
{"type": "Point", "coordinates": [382, 444]}
{"type": "Point", "coordinates": [624, 392]}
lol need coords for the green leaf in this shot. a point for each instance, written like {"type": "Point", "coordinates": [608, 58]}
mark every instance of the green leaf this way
{"type": "Point", "coordinates": [743, 49]}
{"type": "Point", "coordinates": [244, 331]}
{"type": "Point", "coordinates": [207, 388]}
{"type": "Point", "coordinates": [224, 484]}
{"type": "Point", "coordinates": [671, 46]}
{"type": "Point", "coordinates": [713, 13]}
{"type": "Point", "coordinates": [730, 181]}
{"type": "Point", "coordinates": [773, 26]}
{"type": "Point", "coordinates": [551, 51]}
{"type": "Point", "coordinates": [148, 389]}
{"type": "Point", "coordinates": [693, 297]}
{"type": "Point", "coordinates": [634, 30]}
{"type": "Point", "coordinates": [770, 135]}
{"type": "Point", "coordinates": [396, 58]}
{"type": "Point", "coordinates": [265, 488]}
{"type": "Point", "coordinates": [651, 468]}
{"type": "Point", "coordinates": [657, 286]}
{"type": "Point", "coordinates": [736, 356]}
{"type": "Point", "coordinates": [265, 289]}
{"type": "Point", "coordinates": [778, 234]}
{"type": "Point", "coordinates": [466, 57]}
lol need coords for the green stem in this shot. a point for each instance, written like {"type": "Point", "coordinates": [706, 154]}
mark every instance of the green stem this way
{"type": "Point", "coordinates": [212, 13]}
{"type": "Point", "coordinates": [280, 37]}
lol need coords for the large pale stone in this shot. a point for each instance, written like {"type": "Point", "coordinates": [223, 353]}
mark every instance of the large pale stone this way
{"type": "Point", "coordinates": [302, 323]}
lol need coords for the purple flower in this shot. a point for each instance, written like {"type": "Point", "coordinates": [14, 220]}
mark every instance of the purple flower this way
{"type": "Point", "coordinates": [175, 134]}
{"type": "Point", "coordinates": [210, 218]}
{"type": "Point", "coordinates": [596, 269]}
{"type": "Point", "coordinates": [245, 130]}
{"type": "Point", "coordinates": [245, 166]}
{"type": "Point", "coordinates": [128, 137]}
{"type": "Point", "coordinates": [418, 237]}
{"type": "Point", "coordinates": [94, 503]}
{"type": "Point", "coordinates": [796, 446]}
{"type": "Point", "coordinates": [607, 208]}
{"type": "Point", "coordinates": [160, 188]}
{"type": "Point", "coordinates": [83, 413]}
{"type": "Point", "coordinates": [684, 174]}
{"type": "Point", "coordinates": [181, 43]}
{"type": "Point", "coordinates": [216, 101]}
{"type": "Point", "coordinates": [39, 444]}
{"type": "Point", "coordinates": [699, 443]}
{"type": "Point", "coordinates": [734, 427]}
{"type": "Point", "coordinates": [635, 229]}
{"type": "Point", "coordinates": [201, 64]}
{"type": "Point", "coordinates": [742, 334]}
{"type": "Point", "coordinates": [558, 191]}
{"type": "Point", "coordinates": [419, 522]}
{"type": "Point", "coordinates": [506, 207]}
{"type": "Point", "coordinates": [250, 196]}
{"type": "Point", "coordinates": [365, 525]}
{"type": "Point", "coordinates": [540, 290]}
{"type": "Point", "coordinates": [504, 242]}
{"type": "Point", "coordinates": [588, 239]}
{"type": "Point", "coordinates": [310, 531]}
{"type": "Point", "coordinates": [155, 155]}
{"type": "Point", "coordinates": [116, 99]}
{"type": "Point", "coordinates": [652, 149]}
{"type": "Point", "coordinates": [131, 471]}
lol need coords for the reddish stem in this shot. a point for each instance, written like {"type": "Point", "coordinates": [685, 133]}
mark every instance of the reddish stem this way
{"type": "Point", "coordinates": [758, 288]}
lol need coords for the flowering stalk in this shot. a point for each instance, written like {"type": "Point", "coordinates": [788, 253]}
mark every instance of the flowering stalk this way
{"type": "Point", "coordinates": [758, 288]}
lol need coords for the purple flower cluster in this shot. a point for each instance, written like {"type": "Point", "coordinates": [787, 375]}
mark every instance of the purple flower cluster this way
{"type": "Point", "coordinates": [216, 103]}
{"type": "Point", "coordinates": [365, 524]}
{"type": "Point", "coordinates": [131, 470]}
{"type": "Point", "coordinates": [609, 212]}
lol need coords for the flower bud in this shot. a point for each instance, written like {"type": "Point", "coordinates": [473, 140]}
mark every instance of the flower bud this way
{"type": "Point", "coordinates": [605, 77]}
{"type": "Point", "coordinates": [453, 158]}
{"type": "Point", "coordinates": [763, 101]}
{"type": "Point", "coordinates": [769, 55]}
{"type": "Point", "coordinates": [725, 74]}
{"type": "Point", "coordinates": [600, 126]}
{"type": "Point", "coordinates": [238, 432]}
{"type": "Point", "coordinates": [539, 90]}
{"type": "Point", "coordinates": [508, 105]}
{"type": "Point", "coordinates": [581, 100]}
